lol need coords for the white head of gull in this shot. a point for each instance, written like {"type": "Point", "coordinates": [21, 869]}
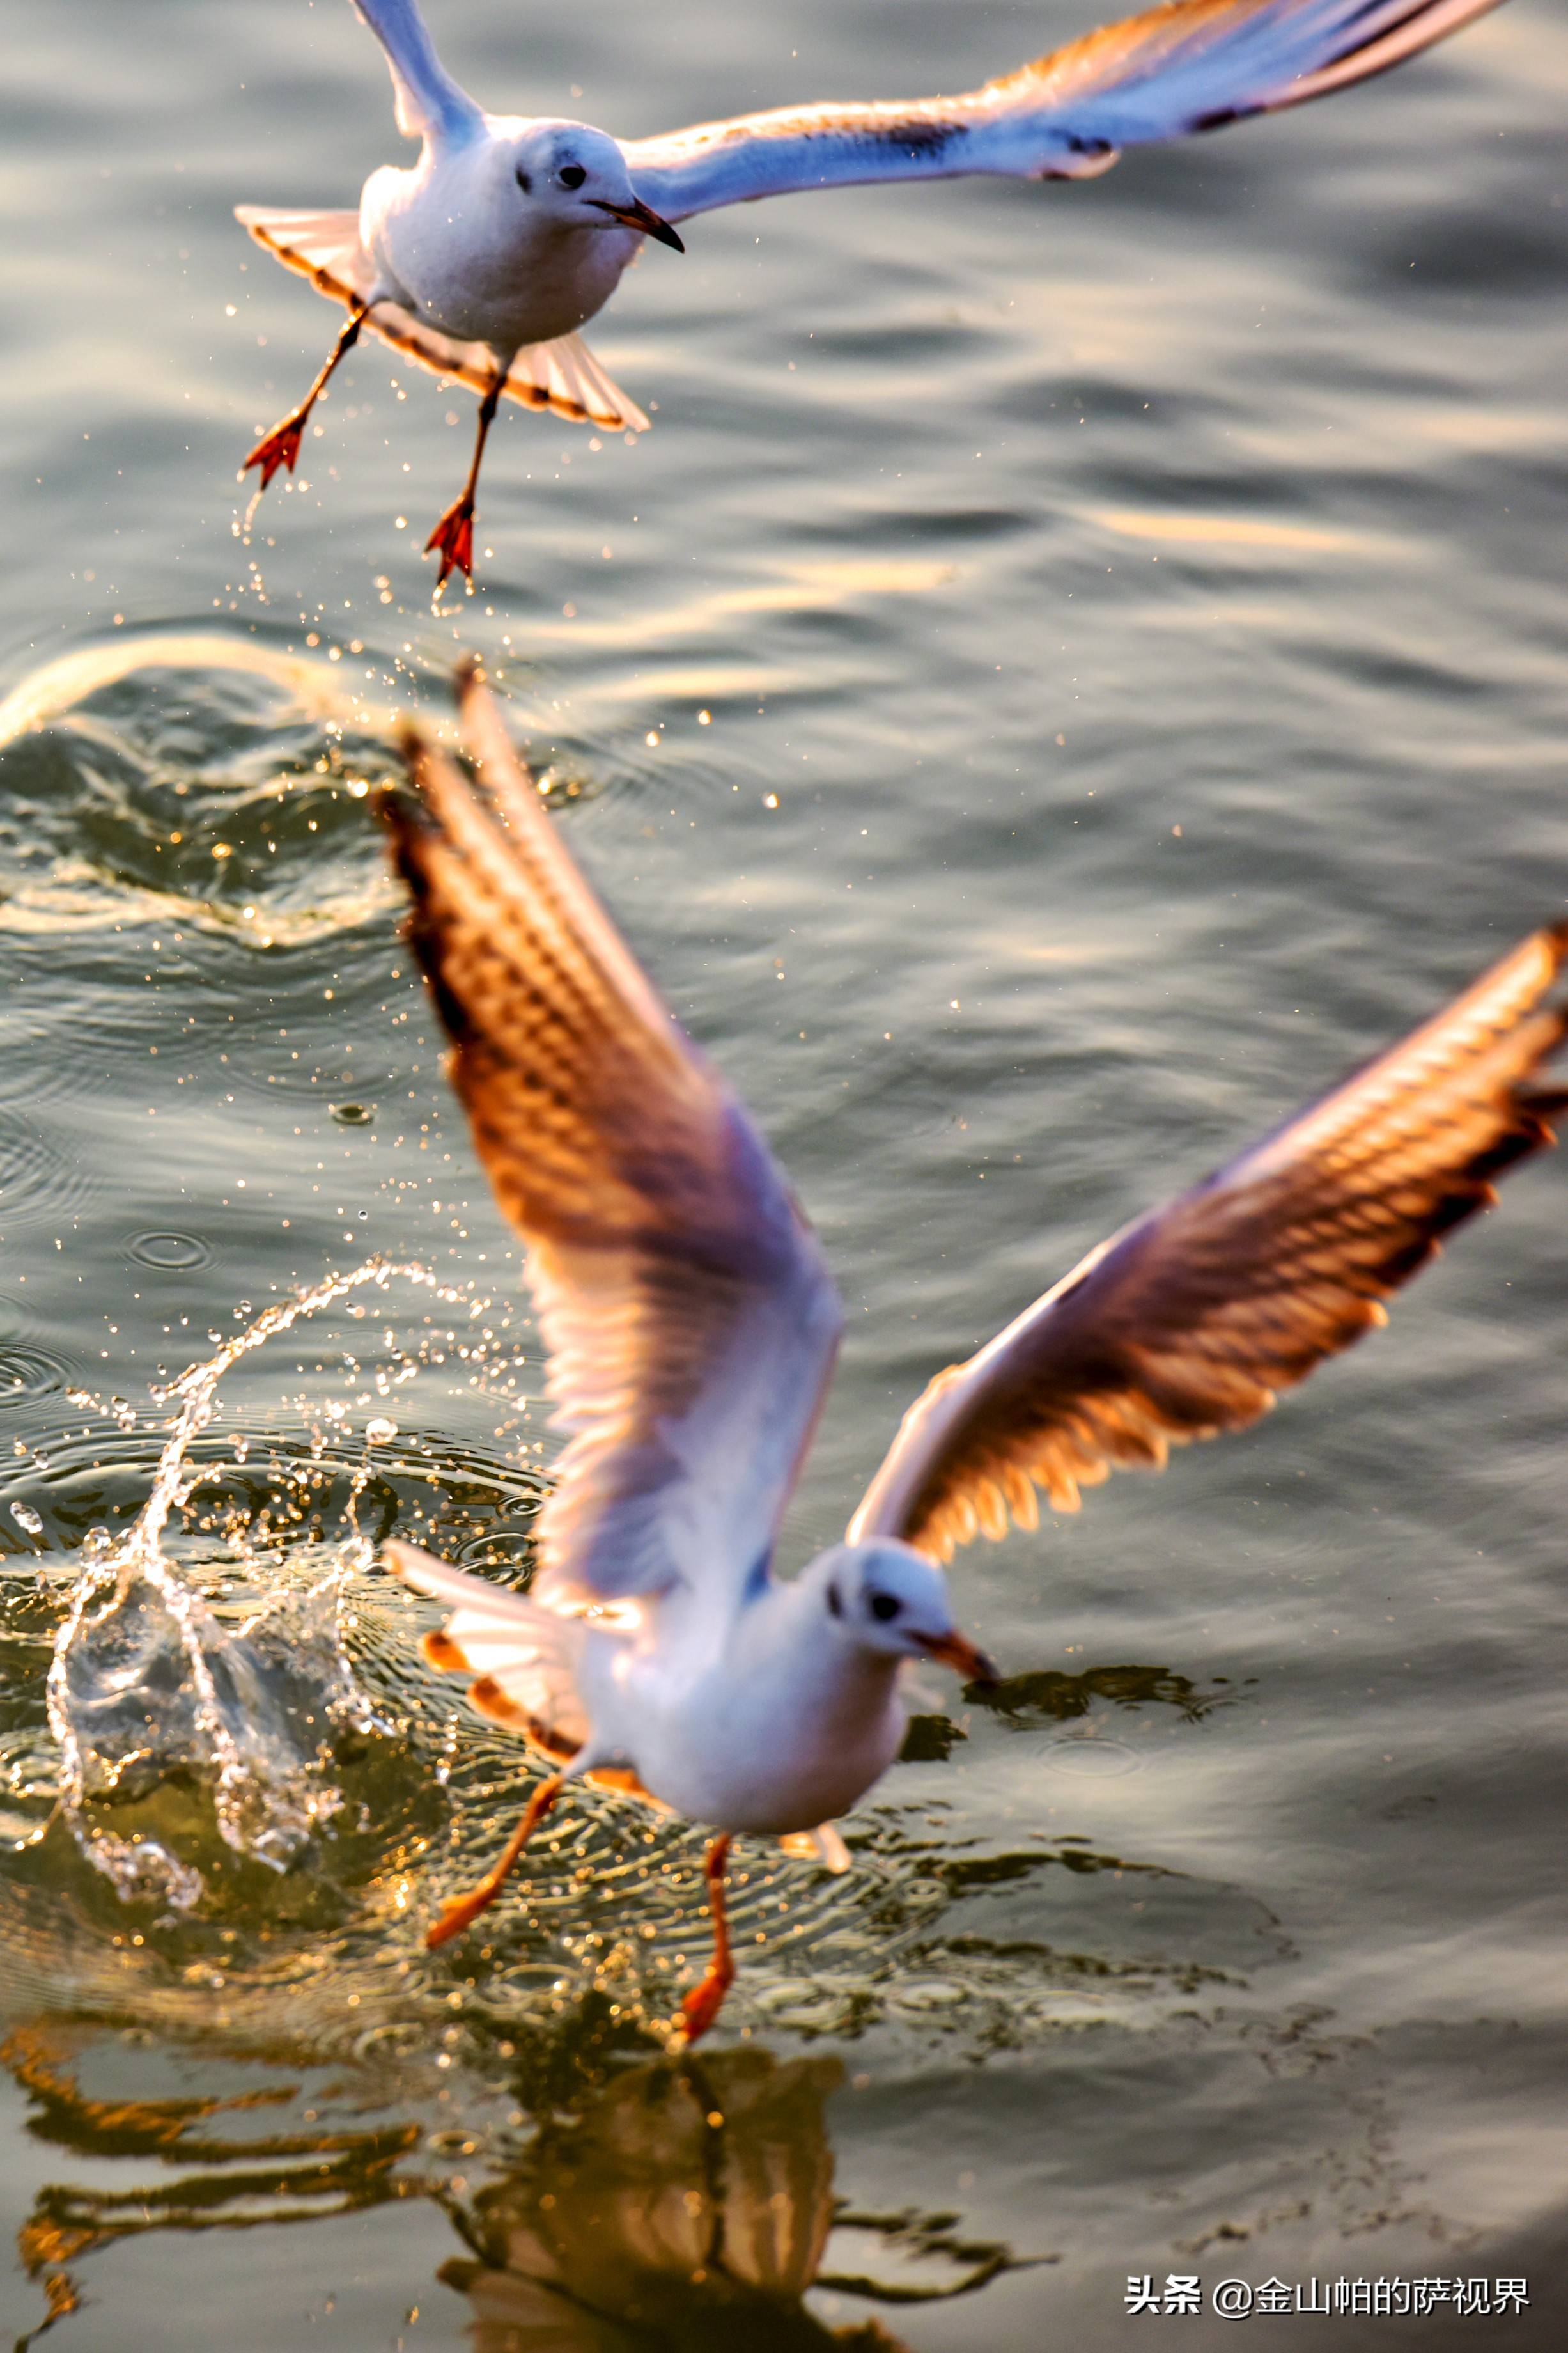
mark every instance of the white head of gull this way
{"type": "Point", "coordinates": [690, 1324]}
{"type": "Point", "coordinates": [484, 259]}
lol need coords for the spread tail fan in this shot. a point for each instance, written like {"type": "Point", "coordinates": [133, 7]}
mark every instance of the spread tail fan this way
{"type": "Point", "coordinates": [562, 376]}
{"type": "Point", "coordinates": [521, 1656]}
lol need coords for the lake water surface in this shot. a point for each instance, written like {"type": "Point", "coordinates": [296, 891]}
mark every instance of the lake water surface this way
{"type": "Point", "coordinates": [1070, 670]}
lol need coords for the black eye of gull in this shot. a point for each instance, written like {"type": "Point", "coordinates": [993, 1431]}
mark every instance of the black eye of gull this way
{"type": "Point", "coordinates": [572, 176]}
{"type": "Point", "coordinates": [883, 1606]}
{"type": "Point", "coordinates": [523, 182]}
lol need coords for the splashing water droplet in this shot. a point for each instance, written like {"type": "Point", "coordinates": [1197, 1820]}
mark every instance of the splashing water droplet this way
{"type": "Point", "coordinates": [379, 1428]}
{"type": "Point", "coordinates": [147, 1678]}
{"type": "Point", "coordinates": [26, 1517]}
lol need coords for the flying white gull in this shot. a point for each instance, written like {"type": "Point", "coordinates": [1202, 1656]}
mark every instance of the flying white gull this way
{"type": "Point", "coordinates": [690, 1326]}
{"type": "Point", "coordinates": [485, 258]}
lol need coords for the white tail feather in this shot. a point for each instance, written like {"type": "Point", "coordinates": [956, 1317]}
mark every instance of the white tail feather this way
{"type": "Point", "coordinates": [522, 1656]}
{"type": "Point", "coordinates": [325, 247]}
{"type": "Point", "coordinates": [438, 1581]}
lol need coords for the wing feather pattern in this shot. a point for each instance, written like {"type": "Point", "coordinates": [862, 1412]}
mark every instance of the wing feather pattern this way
{"type": "Point", "coordinates": [1190, 1319]}
{"type": "Point", "coordinates": [1189, 66]}
{"type": "Point", "coordinates": [689, 1321]}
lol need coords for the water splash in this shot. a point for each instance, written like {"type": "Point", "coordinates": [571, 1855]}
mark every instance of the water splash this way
{"type": "Point", "coordinates": [146, 1678]}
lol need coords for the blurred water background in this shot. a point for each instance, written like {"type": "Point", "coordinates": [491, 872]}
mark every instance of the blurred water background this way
{"type": "Point", "coordinates": [1070, 670]}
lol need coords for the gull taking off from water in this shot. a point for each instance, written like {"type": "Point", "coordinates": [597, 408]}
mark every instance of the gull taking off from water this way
{"type": "Point", "coordinates": [690, 1325]}
{"type": "Point", "coordinates": [509, 233]}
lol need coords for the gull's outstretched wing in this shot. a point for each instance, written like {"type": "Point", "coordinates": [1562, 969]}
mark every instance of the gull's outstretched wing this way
{"type": "Point", "coordinates": [689, 1321]}
{"type": "Point", "coordinates": [1190, 66]}
{"type": "Point", "coordinates": [1190, 1319]}
{"type": "Point", "coordinates": [430, 104]}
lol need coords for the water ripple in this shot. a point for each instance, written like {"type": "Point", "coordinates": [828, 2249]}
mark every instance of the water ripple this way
{"type": "Point", "coordinates": [170, 1251]}
{"type": "Point", "coordinates": [38, 1181]}
{"type": "Point", "coordinates": [30, 1370]}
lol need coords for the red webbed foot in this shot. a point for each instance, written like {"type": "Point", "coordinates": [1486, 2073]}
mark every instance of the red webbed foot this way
{"type": "Point", "coordinates": [453, 538]}
{"type": "Point", "coordinates": [279, 448]}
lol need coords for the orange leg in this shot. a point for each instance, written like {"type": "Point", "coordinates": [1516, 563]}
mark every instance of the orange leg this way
{"type": "Point", "coordinates": [454, 534]}
{"type": "Point", "coordinates": [281, 446]}
{"type": "Point", "coordinates": [703, 2004]}
{"type": "Point", "coordinates": [460, 1911]}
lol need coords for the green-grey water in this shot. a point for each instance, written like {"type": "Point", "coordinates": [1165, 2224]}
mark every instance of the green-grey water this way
{"type": "Point", "coordinates": [1070, 669]}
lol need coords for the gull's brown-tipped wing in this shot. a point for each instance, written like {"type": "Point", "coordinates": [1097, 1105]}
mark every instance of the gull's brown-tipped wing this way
{"type": "Point", "coordinates": [689, 1321]}
{"type": "Point", "coordinates": [1190, 66]}
{"type": "Point", "coordinates": [1190, 1319]}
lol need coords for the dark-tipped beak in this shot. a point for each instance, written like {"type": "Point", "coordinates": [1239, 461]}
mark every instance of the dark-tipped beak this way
{"type": "Point", "coordinates": [639, 216]}
{"type": "Point", "coordinates": [955, 1651]}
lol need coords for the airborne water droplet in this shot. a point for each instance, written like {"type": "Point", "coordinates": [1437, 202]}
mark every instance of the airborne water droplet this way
{"type": "Point", "coordinates": [201, 1696]}
{"type": "Point", "coordinates": [378, 1430]}
{"type": "Point", "coordinates": [26, 1517]}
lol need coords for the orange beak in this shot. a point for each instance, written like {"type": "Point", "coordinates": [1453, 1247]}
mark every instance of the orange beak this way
{"type": "Point", "coordinates": [955, 1651]}
{"type": "Point", "coordinates": [639, 216]}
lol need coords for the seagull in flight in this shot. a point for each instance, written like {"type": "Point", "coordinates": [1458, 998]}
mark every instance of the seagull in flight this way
{"type": "Point", "coordinates": [509, 232]}
{"type": "Point", "coordinates": [690, 1323]}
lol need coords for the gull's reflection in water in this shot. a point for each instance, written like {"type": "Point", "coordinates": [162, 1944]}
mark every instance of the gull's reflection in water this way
{"type": "Point", "coordinates": [678, 2209]}
{"type": "Point", "coordinates": [689, 2206]}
